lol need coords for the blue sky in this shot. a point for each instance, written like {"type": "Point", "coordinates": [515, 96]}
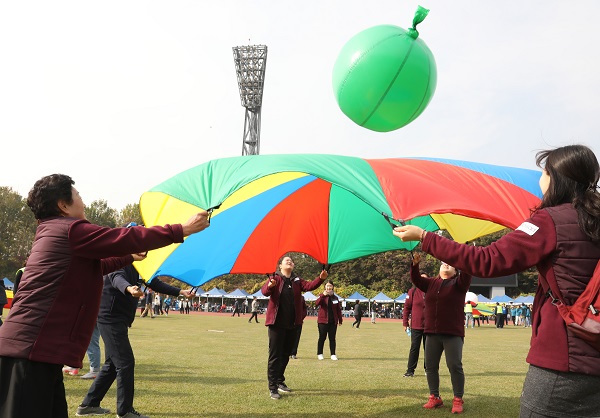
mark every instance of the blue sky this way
{"type": "Point", "coordinates": [122, 95]}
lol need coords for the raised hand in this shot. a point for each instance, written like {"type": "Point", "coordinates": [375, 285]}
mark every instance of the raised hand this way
{"type": "Point", "coordinates": [196, 223]}
{"type": "Point", "coordinates": [416, 259]}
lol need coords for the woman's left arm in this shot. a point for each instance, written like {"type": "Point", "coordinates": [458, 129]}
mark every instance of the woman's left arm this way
{"type": "Point", "coordinates": [525, 247]}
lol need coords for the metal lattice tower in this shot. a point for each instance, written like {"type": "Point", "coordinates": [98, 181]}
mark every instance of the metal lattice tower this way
{"type": "Point", "coordinates": [250, 63]}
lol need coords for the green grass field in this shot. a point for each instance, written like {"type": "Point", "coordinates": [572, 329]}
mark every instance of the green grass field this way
{"type": "Point", "coordinates": [202, 365]}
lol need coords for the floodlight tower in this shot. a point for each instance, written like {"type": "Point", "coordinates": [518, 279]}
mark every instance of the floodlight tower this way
{"type": "Point", "coordinates": [250, 63]}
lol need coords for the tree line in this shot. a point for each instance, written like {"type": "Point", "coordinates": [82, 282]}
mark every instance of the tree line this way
{"type": "Point", "coordinates": [387, 272]}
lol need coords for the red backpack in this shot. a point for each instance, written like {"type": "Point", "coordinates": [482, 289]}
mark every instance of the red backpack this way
{"type": "Point", "coordinates": [583, 317]}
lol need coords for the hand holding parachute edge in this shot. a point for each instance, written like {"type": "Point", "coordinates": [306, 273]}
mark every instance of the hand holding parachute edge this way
{"type": "Point", "coordinates": [139, 256]}
{"type": "Point", "coordinates": [135, 291]}
{"type": "Point", "coordinates": [408, 232]}
{"type": "Point", "coordinates": [196, 223]}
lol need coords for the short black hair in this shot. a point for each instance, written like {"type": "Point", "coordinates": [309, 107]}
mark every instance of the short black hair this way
{"type": "Point", "coordinates": [47, 192]}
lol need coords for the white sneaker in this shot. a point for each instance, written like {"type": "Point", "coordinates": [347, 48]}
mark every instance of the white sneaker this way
{"type": "Point", "coordinates": [320, 356]}
{"type": "Point", "coordinates": [334, 357]}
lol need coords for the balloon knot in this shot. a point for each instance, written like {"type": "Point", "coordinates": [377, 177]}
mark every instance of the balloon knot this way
{"type": "Point", "coordinates": [420, 16]}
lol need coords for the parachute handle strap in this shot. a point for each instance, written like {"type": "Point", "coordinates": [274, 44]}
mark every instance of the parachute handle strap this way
{"type": "Point", "coordinates": [210, 211]}
{"type": "Point", "coordinates": [400, 221]}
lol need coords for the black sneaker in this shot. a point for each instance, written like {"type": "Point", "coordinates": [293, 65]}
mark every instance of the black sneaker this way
{"type": "Point", "coordinates": [275, 395]}
{"type": "Point", "coordinates": [283, 388]}
{"type": "Point", "coordinates": [408, 374]}
{"type": "Point", "coordinates": [83, 411]}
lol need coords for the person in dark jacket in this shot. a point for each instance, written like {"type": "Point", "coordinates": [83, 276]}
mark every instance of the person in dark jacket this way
{"type": "Point", "coordinates": [55, 309]}
{"type": "Point", "coordinates": [120, 295]}
{"type": "Point", "coordinates": [562, 239]}
{"type": "Point", "coordinates": [236, 308]}
{"type": "Point", "coordinates": [444, 328]}
{"type": "Point", "coordinates": [358, 313]}
{"type": "Point", "coordinates": [284, 314]}
{"type": "Point", "coordinates": [414, 319]}
{"type": "Point", "coordinates": [330, 315]}
{"type": "Point", "coordinates": [3, 299]}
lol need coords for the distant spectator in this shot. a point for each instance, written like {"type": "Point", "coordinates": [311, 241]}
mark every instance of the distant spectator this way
{"type": "Point", "coordinates": [254, 310]}
{"type": "Point", "coordinates": [3, 299]}
{"type": "Point", "coordinates": [358, 313]}
{"type": "Point", "coordinates": [236, 308]}
{"type": "Point", "coordinates": [149, 299]}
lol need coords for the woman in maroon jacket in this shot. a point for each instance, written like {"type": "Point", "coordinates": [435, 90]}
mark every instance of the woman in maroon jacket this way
{"type": "Point", "coordinates": [330, 315]}
{"type": "Point", "coordinates": [444, 327]}
{"type": "Point", "coordinates": [562, 239]}
{"type": "Point", "coordinates": [55, 310]}
{"type": "Point", "coordinates": [284, 314]}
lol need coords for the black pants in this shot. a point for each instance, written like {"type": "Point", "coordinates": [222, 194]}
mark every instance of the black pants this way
{"type": "Point", "coordinates": [326, 330]}
{"type": "Point", "coordinates": [236, 311]}
{"type": "Point", "coordinates": [356, 322]}
{"type": "Point", "coordinates": [119, 365]}
{"type": "Point", "coordinates": [452, 346]}
{"type": "Point", "coordinates": [31, 389]}
{"type": "Point", "coordinates": [255, 316]}
{"type": "Point", "coordinates": [416, 336]}
{"type": "Point", "coordinates": [499, 320]}
{"type": "Point", "coordinates": [296, 340]}
{"type": "Point", "coordinates": [281, 341]}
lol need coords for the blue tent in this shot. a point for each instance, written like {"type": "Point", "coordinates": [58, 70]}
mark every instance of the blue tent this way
{"type": "Point", "coordinates": [238, 294]}
{"type": "Point", "coordinates": [382, 298]}
{"type": "Point", "coordinates": [502, 299]}
{"type": "Point", "coordinates": [214, 292]}
{"type": "Point", "coordinates": [309, 296]}
{"type": "Point", "coordinates": [356, 296]}
{"type": "Point", "coordinates": [482, 299]}
{"type": "Point", "coordinates": [259, 295]}
{"type": "Point", "coordinates": [524, 299]}
{"type": "Point", "coordinates": [8, 284]}
{"type": "Point", "coordinates": [401, 298]}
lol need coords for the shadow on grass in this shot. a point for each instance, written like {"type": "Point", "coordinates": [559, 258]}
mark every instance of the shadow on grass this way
{"type": "Point", "coordinates": [478, 406]}
{"type": "Point", "coordinates": [181, 375]}
{"type": "Point", "coordinates": [497, 373]}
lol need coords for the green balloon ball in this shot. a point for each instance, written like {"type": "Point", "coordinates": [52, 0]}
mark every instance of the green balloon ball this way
{"type": "Point", "coordinates": [383, 78]}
